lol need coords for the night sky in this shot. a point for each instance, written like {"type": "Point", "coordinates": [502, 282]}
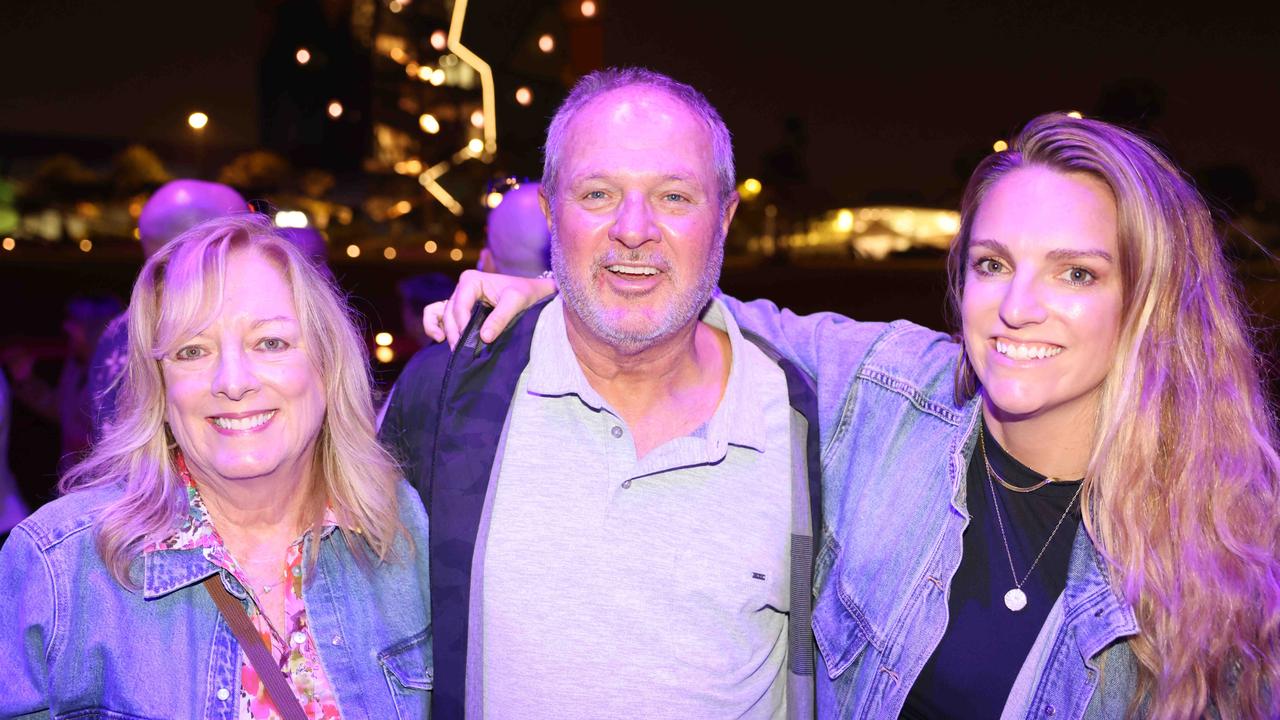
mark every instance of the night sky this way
{"type": "Point", "coordinates": [895, 98]}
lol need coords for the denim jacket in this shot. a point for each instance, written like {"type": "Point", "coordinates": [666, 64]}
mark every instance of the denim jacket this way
{"type": "Point", "coordinates": [75, 644]}
{"type": "Point", "coordinates": [895, 450]}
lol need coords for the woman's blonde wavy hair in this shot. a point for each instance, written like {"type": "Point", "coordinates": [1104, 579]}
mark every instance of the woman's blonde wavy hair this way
{"type": "Point", "coordinates": [1182, 491]}
{"type": "Point", "coordinates": [176, 295]}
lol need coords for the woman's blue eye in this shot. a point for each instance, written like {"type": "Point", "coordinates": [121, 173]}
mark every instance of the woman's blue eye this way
{"type": "Point", "coordinates": [189, 352]}
{"type": "Point", "coordinates": [988, 266]}
{"type": "Point", "coordinates": [1079, 276]}
{"type": "Point", "coordinates": [272, 344]}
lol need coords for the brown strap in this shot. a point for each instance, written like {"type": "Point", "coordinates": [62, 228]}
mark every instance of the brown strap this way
{"type": "Point", "coordinates": [278, 689]}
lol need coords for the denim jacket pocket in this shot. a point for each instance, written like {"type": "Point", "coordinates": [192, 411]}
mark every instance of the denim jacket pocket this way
{"type": "Point", "coordinates": [407, 665]}
{"type": "Point", "coordinates": [839, 628]}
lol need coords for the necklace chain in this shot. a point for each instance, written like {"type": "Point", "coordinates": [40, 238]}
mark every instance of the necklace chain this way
{"type": "Point", "coordinates": [1008, 485]}
{"type": "Point", "coordinates": [995, 508]}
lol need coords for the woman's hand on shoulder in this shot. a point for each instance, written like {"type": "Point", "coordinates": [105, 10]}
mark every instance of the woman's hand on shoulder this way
{"type": "Point", "coordinates": [509, 296]}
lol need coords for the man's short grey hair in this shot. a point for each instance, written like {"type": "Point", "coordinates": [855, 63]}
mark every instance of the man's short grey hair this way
{"type": "Point", "coordinates": [595, 84]}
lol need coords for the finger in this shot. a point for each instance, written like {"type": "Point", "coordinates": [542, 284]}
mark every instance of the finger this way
{"type": "Point", "coordinates": [470, 288]}
{"type": "Point", "coordinates": [451, 330]}
{"type": "Point", "coordinates": [433, 321]}
{"type": "Point", "coordinates": [510, 303]}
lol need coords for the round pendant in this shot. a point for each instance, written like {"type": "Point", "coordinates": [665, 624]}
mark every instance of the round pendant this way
{"type": "Point", "coordinates": [1015, 599]}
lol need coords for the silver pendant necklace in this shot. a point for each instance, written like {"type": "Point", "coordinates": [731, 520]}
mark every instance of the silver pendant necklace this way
{"type": "Point", "coordinates": [1015, 599]}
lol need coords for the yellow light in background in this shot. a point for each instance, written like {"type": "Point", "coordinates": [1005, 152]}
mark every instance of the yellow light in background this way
{"type": "Point", "coordinates": [135, 209]}
{"type": "Point", "coordinates": [9, 243]}
{"type": "Point", "coordinates": [1000, 146]}
{"type": "Point", "coordinates": [335, 109]}
{"type": "Point", "coordinates": [546, 43]}
{"type": "Point", "coordinates": [303, 56]}
{"type": "Point", "coordinates": [437, 77]}
{"type": "Point", "coordinates": [439, 40]}
{"type": "Point", "coordinates": [752, 186]}
{"type": "Point", "coordinates": [384, 354]}
{"type": "Point", "coordinates": [476, 146]}
{"type": "Point", "coordinates": [413, 166]}
{"type": "Point", "coordinates": [137, 234]}
{"type": "Point", "coordinates": [455, 254]}
{"type": "Point", "coordinates": [588, 8]}
{"type": "Point", "coordinates": [389, 253]}
{"type": "Point", "coordinates": [524, 96]}
{"type": "Point", "coordinates": [398, 54]}
{"type": "Point", "coordinates": [411, 69]}
{"type": "Point", "coordinates": [430, 246]}
{"type": "Point", "coordinates": [1075, 114]}
{"type": "Point", "coordinates": [353, 251]}
{"type": "Point", "coordinates": [395, 6]}
{"type": "Point", "coordinates": [429, 123]}
{"type": "Point", "coordinates": [477, 118]}
{"type": "Point", "coordinates": [493, 199]}
{"type": "Point", "coordinates": [197, 120]}
{"type": "Point", "coordinates": [291, 219]}
{"type": "Point", "coordinates": [383, 339]}
{"type": "Point", "coordinates": [86, 245]}
{"type": "Point", "coordinates": [844, 221]}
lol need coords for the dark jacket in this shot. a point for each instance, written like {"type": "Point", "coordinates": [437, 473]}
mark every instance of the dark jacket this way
{"type": "Point", "coordinates": [443, 423]}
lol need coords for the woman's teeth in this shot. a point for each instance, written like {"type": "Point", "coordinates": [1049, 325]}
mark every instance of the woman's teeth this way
{"type": "Point", "coordinates": [1020, 351]}
{"type": "Point", "coordinates": [244, 423]}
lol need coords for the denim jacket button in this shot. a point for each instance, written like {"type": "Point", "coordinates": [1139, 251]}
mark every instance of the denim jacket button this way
{"type": "Point", "coordinates": [337, 640]}
{"type": "Point", "coordinates": [1050, 710]}
{"type": "Point", "coordinates": [616, 431]}
{"type": "Point", "coordinates": [223, 694]}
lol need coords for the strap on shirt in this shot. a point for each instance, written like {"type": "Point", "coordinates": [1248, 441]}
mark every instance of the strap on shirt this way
{"type": "Point", "coordinates": [233, 612]}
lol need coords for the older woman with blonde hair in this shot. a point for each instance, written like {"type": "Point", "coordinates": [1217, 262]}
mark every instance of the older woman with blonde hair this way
{"type": "Point", "coordinates": [238, 544]}
{"type": "Point", "coordinates": [1066, 510]}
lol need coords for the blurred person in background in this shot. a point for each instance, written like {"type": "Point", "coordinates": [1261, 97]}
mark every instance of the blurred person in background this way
{"type": "Point", "coordinates": [415, 293]}
{"type": "Point", "coordinates": [13, 508]}
{"type": "Point", "coordinates": [237, 544]}
{"type": "Point", "coordinates": [69, 403]}
{"type": "Point", "coordinates": [172, 209]}
{"type": "Point", "coordinates": [517, 240]}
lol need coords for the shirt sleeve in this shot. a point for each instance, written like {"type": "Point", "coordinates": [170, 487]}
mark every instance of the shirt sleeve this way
{"type": "Point", "coordinates": [26, 616]}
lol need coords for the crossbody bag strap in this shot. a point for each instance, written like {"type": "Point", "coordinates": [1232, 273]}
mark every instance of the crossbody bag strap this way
{"type": "Point", "coordinates": [268, 671]}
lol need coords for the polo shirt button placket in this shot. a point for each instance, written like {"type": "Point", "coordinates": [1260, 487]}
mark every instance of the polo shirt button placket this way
{"type": "Point", "coordinates": [616, 431]}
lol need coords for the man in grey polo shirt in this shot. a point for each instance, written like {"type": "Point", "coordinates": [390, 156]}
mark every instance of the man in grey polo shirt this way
{"type": "Point", "coordinates": [619, 485]}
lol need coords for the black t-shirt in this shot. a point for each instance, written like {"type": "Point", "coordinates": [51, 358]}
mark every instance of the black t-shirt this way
{"type": "Point", "coordinates": [985, 644]}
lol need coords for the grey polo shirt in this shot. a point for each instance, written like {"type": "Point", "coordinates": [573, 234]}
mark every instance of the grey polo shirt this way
{"type": "Point", "coordinates": [617, 587]}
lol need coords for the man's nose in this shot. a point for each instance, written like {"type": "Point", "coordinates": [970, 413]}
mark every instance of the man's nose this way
{"type": "Point", "coordinates": [633, 225]}
{"type": "Point", "coordinates": [234, 377]}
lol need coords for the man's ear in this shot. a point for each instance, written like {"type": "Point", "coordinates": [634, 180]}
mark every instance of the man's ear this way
{"type": "Point", "coordinates": [730, 208]}
{"type": "Point", "coordinates": [545, 204]}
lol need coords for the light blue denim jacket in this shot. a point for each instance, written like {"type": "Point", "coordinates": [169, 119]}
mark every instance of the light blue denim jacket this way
{"type": "Point", "coordinates": [895, 450]}
{"type": "Point", "coordinates": [75, 644]}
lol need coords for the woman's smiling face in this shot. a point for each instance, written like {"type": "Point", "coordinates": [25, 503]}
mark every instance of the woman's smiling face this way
{"type": "Point", "coordinates": [1042, 293]}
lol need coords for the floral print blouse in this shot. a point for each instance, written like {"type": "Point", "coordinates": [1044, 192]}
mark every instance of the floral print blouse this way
{"type": "Point", "coordinates": [292, 646]}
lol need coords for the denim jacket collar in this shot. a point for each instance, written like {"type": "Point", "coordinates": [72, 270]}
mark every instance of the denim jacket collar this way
{"type": "Point", "coordinates": [1091, 606]}
{"type": "Point", "coordinates": [164, 571]}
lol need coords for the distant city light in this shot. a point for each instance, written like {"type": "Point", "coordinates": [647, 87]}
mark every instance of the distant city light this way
{"type": "Point", "coordinates": [430, 246]}
{"type": "Point", "coordinates": [383, 339]}
{"type": "Point", "coordinates": [437, 77]}
{"type": "Point", "coordinates": [395, 6]}
{"type": "Point", "coordinates": [546, 43]}
{"type": "Point", "coordinates": [402, 207]}
{"type": "Point", "coordinates": [353, 251]}
{"type": "Point", "coordinates": [291, 219]}
{"type": "Point", "coordinates": [439, 40]}
{"type": "Point", "coordinates": [384, 354]}
{"type": "Point", "coordinates": [86, 245]}
{"type": "Point", "coordinates": [477, 118]}
{"type": "Point", "coordinates": [588, 8]}
{"type": "Point", "coordinates": [335, 109]}
{"type": "Point", "coordinates": [411, 69]}
{"type": "Point", "coordinates": [1075, 114]}
{"type": "Point", "coordinates": [476, 146]}
{"type": "Point", "coordinates": [389, 253]}
{"type": "Point", "coordinates": [424, 73]}
{"type": "Point", "coordinates": [398, 54]}
{"type": "Point", "coordinates": [197, 120]}
{"type": "Point", "coordinates": [524, 96]}
{"type": "Point", "coordinates": [9, 244]}
{"type": "Point", "coordinates": [1000, 146]}
{"type": "Point", "coordinates": [303, 56]}
{"type": "Point", "coordinates": [752, 186]}
{"type": "Point", "coordinates": [493, 199]}
{"type": "Point", "coordinates": [429, 123]}
{"type": "Point", "coordinates": [844, 221]}
{"type": "Point", "coordinates": [455, 254]}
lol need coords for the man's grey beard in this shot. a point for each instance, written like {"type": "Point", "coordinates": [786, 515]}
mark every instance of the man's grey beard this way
{"type": "Point", "coordinates": [583, 303]}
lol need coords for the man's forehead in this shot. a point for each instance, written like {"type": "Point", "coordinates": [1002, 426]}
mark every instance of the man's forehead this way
{"type": "Point", "coordinates": [634, 123]}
